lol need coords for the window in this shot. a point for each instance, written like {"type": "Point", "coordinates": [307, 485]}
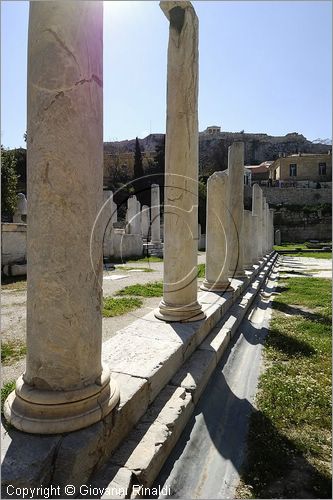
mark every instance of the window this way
{"type": "Point", "coordinates": [292, 170]}
{"type": "Point", "coordinates": [322, 168]}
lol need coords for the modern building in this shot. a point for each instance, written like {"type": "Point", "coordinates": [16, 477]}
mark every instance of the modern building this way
{"type": "Point", "coordinates": [259, 172]}
{"type": "Point", "coordinates": [302, 167]}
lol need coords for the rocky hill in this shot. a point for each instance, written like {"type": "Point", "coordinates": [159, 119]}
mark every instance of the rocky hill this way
{"type": "Point", "coordinates": [213, 149]}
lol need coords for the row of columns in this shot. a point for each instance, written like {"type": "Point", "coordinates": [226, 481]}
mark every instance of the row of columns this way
{"type": "Point", "coordinates": [236, 239]}
{"type": "Point", "coordinates": [65, 387]}
{"type": "Point", "coordinates": [144, 221]}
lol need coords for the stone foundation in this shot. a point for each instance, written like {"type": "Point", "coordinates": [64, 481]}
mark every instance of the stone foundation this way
{"type": "Point", "coordinates": [147, 357]}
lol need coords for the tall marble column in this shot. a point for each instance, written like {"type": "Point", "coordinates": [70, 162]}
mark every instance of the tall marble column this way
{"type": "Point", "coordinates": [277, 237]}
{"type": "Point", "coordinates": [217, 231]}
{"type": "Point", "coordinates": [109, 216]}
{"type": "Point", "coordinates": [248, 239]}
{"type": "Point", "coordinates": [271, 229]}
{"type": "Point", "coordinates": [133, 218]}
{"type": "Point", "coordinates": [181, 167]}
{"type": "Point", "coordinates": [155, 214]}
{"type": "Point", "coordinates": [236, 206]}
{"type": "Point", "coordinates": [254, 239]}
{"type": "Point", "coordinates": [257, 212]}
{"type": "Point", "coordinates": [65, 387]}
{"type": "Point", "coordinates": [145, 221]}
{"type": "Point", "coordinates": [264, 227]}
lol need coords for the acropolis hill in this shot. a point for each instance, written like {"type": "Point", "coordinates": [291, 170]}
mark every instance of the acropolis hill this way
{"type": "Point", "coordinates": [213, 147]}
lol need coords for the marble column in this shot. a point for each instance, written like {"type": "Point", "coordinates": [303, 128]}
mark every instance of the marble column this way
{"type": "Point", "coordinates": [217, 231]}
{"type": "Point", "coordinates": [65, 386]}
{"type": "Point", "coordinates": [109, 216]}
{"type": "Point", "coordinates": [236, 207]}
{"type": "Point", "coordinates": [155, 214]}
{"type": "Point", "coordinates": [20, 214]}
{"type": "Point", "coordinates": [254, 239]}
{"type": "Point", "coordinates": [132, 215]}
{"type": "Point", "coordinates": [181, 167]}
{"type": "Point", "coordinates": [199, 235]}
{"type": "Point", "coordinates": [145, 221]}
{"type": "Point", "coordinates": [257, 212]}
{"type": "Point", "coordinates": [271, 229]}
{"type": "Point", "coordinates": [264, 227]}
{"type": "Point", "coordinates": [277, 237]}
{"type": "Point", "coordinates": [248, 239]}
{"type": "Point", "coordinates": [138, 217]}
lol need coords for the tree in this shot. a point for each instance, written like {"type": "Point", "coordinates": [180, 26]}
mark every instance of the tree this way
{"type": "Point", "coordinates": [138, 167]}
{"type": "Point", "coordinates": [8, 182]}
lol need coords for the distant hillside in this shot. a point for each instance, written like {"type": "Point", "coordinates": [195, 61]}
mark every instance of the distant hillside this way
{"type": "Point", "coordinates": [213, 149]}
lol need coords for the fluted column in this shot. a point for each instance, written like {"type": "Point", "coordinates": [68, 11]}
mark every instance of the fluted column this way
{"type": "Point", "coordinates": [217, 231]}
{"type": "Point", "coordinates": [236, 206]}
{"type": "Point", "coordinates": [155, 214]}
{"type": "Point", "coordinates": [181, 167]}
{"type": "Point", "coordinates": [65, 387]}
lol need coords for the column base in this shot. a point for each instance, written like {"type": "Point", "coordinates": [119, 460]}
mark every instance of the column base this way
{"type": "Point", "coordinates": [239, 274]}
{"type": "Point", "coordinates": [54, 412]}
{"type": "Point", "coordinates": [185, 314]}
{"type": "Point", "coordinates": [217, 286]}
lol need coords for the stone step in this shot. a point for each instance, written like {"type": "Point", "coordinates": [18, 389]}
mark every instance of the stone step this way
{"type": "Point", "coordinates": [144, 358]}
{"type": "Point", "coordinates": [137, 462]}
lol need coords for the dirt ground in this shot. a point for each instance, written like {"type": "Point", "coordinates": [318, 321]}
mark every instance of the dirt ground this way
{"type": "Point", "coordinates": [14, 306]}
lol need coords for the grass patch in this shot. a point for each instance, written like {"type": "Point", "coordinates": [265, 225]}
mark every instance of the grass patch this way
{"type": "Point", "coordinates": [152, 258]}
{"type": "Point", "coordinates": [148, 290]}
{"type": "Point", "coordinates": [289, 246]}
{"type": "Point", "coordinates": [201, 270]}
{"type": "Point", "coordinates": [302, 246]}
{"type": "Point", "coordinates": [14, 283]}
{"type": "Point", "coordinates": [12, 351]}
{"type": "Point", "coordinates": [314, 255]}
{"type": "Point", "coordinates": [289, 443]}
{"type": "Point", "coordinates": [116, 307]}
{"type": "Point", "coordinates": [5, 391]}
{"type": "Point", "coordinates": [143, 269]}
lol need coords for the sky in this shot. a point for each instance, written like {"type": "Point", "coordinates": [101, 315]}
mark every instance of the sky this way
{"type": "Point", "coordinates": [265, 66]}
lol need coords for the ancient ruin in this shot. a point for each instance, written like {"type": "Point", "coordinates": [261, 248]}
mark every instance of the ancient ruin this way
{"type": "Point", "coordinates": [67, 385]}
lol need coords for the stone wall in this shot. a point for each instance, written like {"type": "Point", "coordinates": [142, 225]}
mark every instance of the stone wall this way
{"type": "Point", "coordinates": [13, 243]}
{"type": "Point", "coordinates": [123, 246]}
{"type": "Point", "coordinates": [293, 196]}
{"type": "Point", "coordinates": [303, 225]}
{"type": "Point", "coordinates": [321, 231]}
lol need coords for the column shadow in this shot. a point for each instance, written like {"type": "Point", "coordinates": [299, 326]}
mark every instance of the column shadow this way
{"type": "Point", "coordinates": [280, 470]}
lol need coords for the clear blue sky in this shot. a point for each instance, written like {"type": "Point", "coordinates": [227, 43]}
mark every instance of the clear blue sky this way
{"type": "Point", "coordinates": [264, 67]}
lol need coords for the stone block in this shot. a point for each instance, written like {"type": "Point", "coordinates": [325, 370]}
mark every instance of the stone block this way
{"type": "Point", "coordinates": [142, 357]}
{"type": "Point", "coordinates": [77, 456]}
{"type": "Point", "coordinates": [196, 372]}
{"type": "Point", "coordinates": [13, 243]}
{"type": "Point", "coordinates": [219, 339]}
{"type": "Point", "coordinates": [134, 400]}
{"type": "Point", "coordinates": [27, 460]}
{"type": "Point", "coordinates": [112, 482]}
{"type": "Point", "coordinates": [151, 442]}
{"type": "Point", "coordinates": [15, 269]}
